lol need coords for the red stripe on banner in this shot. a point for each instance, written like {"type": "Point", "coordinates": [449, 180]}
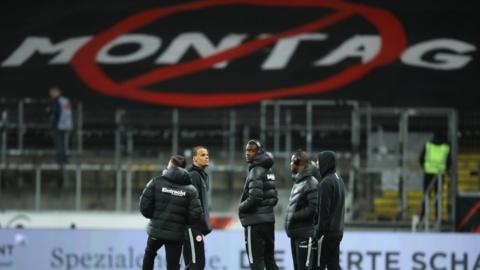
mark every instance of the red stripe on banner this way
{"type": "Point", "coordinates": [162, 74]}
{"type": "Point", "coordinates": [467, 218]}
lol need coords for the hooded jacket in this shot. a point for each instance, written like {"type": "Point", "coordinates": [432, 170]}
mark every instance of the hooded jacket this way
{"type": "Point", "coordinates": [331, 198]}
{"type": "Point", "coordinates": [302, 205]}
{"type": "Point", "coordinates": [259, 193]}
{"type": "Point", "coordinates": [171, 203]}
{"type": "Point", "coordinates": [200, 181]}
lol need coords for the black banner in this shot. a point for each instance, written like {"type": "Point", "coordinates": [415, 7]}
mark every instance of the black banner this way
{"type": "Point", "coordinates": [217, 53]}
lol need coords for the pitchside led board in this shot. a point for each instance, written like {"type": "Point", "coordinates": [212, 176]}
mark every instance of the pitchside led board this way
{"type": "Point", "coordinates": [216, 53]}
{"type": "Point", "coordinates": [225, 250]}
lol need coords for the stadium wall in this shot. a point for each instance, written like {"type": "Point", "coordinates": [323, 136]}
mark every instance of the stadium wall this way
{"type": "Point", "coordinates": [123, 249]}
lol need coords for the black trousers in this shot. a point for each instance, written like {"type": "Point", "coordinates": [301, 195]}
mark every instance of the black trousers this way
{"type": "Point", "coordinates": [59, 137]}
{"type": "Point", "coordinates": [194, 250]}
{"type": "Point", "coordinates": [427, 179]}
{"type": "Point", "coordinates": [260, 244]}
{"type": "Point", "coordinates": [59, 143]}
{"type": "Point", "coordinates": [173, 251]}
{"type": "Point", "coordinates": [304, 254]}
{"type": "Point", "coordinates": [330, 253]}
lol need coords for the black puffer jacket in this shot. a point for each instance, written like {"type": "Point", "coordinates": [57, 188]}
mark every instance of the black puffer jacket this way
{"type": "Point", "coordinates": [171, 203]}
{"type": "Point", "coordinates": [259, 193]}
{"type": "Point", "coordinates": [331, 197]}
{"type": "Point", "coordinates": [302, 205]}
{"type": "Point", "coordinates": [200, 181]}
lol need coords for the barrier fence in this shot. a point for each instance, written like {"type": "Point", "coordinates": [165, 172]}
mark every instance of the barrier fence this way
{"type": "Point", "coordinates": [377, 149]}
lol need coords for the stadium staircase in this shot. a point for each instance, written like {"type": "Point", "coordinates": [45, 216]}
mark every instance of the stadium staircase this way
{"type": "Point", "coordinates": [387, 205]}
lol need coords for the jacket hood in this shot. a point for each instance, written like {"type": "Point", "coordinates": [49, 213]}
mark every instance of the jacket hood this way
{"type": "Point", "coordinates": [326, 160]}
{"type": "Point", "coordinates": [307, 172]}
{"type": "Point", "coordinates": [177, 175]}
{"type": "Point", "coordinates": [264, 160]}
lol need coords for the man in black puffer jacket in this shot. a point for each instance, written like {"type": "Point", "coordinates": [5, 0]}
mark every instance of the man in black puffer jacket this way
{"type": "Point", "coordinates": [256, 207]}
{"type": "Point", "coordinates": [194, 245]}
{"type": "Point", "coordinates": [301, 211]}
{"type": "Point", "coordinates": [171, 203]}
{"type": "Point", "coordinates": [331, 209]}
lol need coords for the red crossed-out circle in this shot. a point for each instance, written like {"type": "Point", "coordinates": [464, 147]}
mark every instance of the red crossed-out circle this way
{"type": "Point", "coordinates": [393, 43]}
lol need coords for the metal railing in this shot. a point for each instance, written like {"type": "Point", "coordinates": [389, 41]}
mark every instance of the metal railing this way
{"type": "Point", "coordinates": [404, 117]}
{"type": "Point", "coordinates": [280, 121]}
{"type": "Point", "coordinates": [424, 222]}
{"type": "Point", "coordinates": [123, 179]}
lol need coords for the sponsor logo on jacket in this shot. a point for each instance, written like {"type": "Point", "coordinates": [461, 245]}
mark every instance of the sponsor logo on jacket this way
{"type": "Point", "coordinates": [173, 192]}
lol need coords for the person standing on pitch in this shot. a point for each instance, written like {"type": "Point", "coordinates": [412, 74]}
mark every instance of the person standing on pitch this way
{"type": "Point", "coordinates": [301, 211]}
{"type": "Point", "coordinates": [194, 246]}
{"type": "Point", "coordinates": [256, 208]}
{"type": "Point", "coordinates": [331, 212]}
{"type": "Point", "coordinates": [171, 203]}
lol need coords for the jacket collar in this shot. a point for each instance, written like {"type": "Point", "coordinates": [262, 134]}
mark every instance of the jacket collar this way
{"type": "Point", "coordinates": [264, 159]}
